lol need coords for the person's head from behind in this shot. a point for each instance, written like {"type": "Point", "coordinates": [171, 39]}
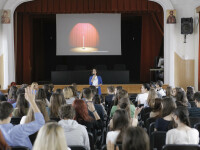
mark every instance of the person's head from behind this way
{"type": "Point", "coordinates": [152, 85]}
{"type": "Point", "coordinates": [169, 91]}
{"type": "Point", "coordinates": [59, 91]}
{"type": "Point", "coordinates": [145, 88]}
{"type": "Point", "coordinates": [51, 87]}
{"type": "Point", "coordinates": [135, 138]}
{"type": "Point", "coordinates": [68, 93]}
{"type": "Point", "coordinates": [55, 102]}
{"type": "Point", "coordinates": [46, 88]}
{"type": "Point", "coordinates": [96, 99]}
{"type": "Point", "coordinates": [117, 89]}
{"type": "Point", "coordinates": [24, 86]}
{"type": "Point", "coordinates": [66, 112]}
{"type": "Point", "coordinates": [93, 89]}
{"type": "Point", "coordinates": [2, 98]}
{"type": "Point", "coordinates": [196, 98]}
{"type": "Point", "coordinates": [190, 93]}
{"type": "Point", "coordinates": [181, 97]}
{"type": "Point", "coordinates": [75, 86]}
{"type": "Point", "coordinates": [50, 137]}
{"type": "Point", "coordinates": [151, 97]}
{"type": "Point", "coordinates": [6, 110]}
{"type": "Point", "coordinates": [20, 91]}
{"type": "Point", "coordinates": [12, 92]}
{"type": "Point", "coordinates": [168, 105]}
{"type": "Point", "coordinates": [42, 107]}
{"type": "Point", "coordinates": [34, 86]}
{"type": "Point", "coordinates": [121, 94]}
{"type": "Point", "coordinates": [22, 105]}
{"type": "Point", "coordinates": [124, 103]}
{"type": "Point", "coordinates": [40, 94]}
{"type": "Point", "coordinates": [73, 90]}
{"type": "Point", "coordinates": [181, 115]}
{"type": "Point", "coordinates": [120, 122]}
{"type": "Point", "coordinates": [81, 110]}
{"type": "Point", "coordinates": [94, 71]}
{"type": "Point", "coordinates": [87, 93]}
{"type": "Point", "coordinates": [176, 90]}
{"type": "Point", "coordinates": [110, 89]}
{"type": "Point", "coordinates": [157, 105]}
{"type": "Point", "coordinates": [159, 84]}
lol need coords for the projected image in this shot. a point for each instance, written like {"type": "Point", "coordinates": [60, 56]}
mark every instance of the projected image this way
{"type": "Point", "coordinates": [88, 34]}
{"type": "Point", "coordinates": [84, 38]}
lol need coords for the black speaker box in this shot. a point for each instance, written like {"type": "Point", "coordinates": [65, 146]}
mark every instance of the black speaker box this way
{"type": "Point", "coordinates": [186, 25]}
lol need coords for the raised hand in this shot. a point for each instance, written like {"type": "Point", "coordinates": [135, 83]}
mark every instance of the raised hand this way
{"type": "Point", "coordinates": [29, 95]}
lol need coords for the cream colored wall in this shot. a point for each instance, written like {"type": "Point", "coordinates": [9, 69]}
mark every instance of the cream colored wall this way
{"type": "Point", "coordinates": [1, 72]}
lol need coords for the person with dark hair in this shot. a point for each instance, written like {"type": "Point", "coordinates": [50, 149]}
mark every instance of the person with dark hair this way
{"type": "Point", "coordinates": [156, 110]}
{"type": "Point", "coordinates": [12, 96]}
{"type": "Point", "coordinates": [19, 91]}
{"type": "Point", "coordinates": [2, 98]}
{"type": "Point", "coordinates": [97, 101]}
{"type": "Point", "coordinates": [75, 133]}
{"type": "Point", "coordinates": [109, 98]}
{"type": "Point", "coordinates": [22, 106]}
{"type": "Point", "coordinates": [19, 135]}
{"type": "Point", "coordinates": [159, 88]}
{"type": "Point", "coordinates": [88, 95]}
{"type": "Point", "coordinates": [74, 91]}
{"type": "Point", "coordinates": [120, 122]}
{"type": "Point", "coordinates": [195, 111]}
{"type": "Point", "coordinates": [142, 98]}
{"type": "Point", "coordinates": [165, 122]}
{"type": "Point", "coordinates": [135, 138]}
{"type": "Point", "coordinates": [190, 93]}
{"type": "Point", "coordinates": [59, 91]}
{"type": "Point", "coordinates": [51, 87]}
{"type": "Point", "coordinates": [74, 85]}
{"type": "Point", "coordinates": [23, 86]}
{"type": "Point", "coordinates": [169, 91]}
{"type": "Point", "coordinates": [41, 95]}
{"type": "Point", "coordinates": [96, 81]}
{"type": "Point", "coordinates": [46, 90]}
{"type": "Point", "coordinates": [181, 100]}
{"type": "Point", "coordinates": [183, 134]}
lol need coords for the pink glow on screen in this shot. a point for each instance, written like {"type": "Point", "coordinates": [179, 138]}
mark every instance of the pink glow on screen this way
{"type": "Point", "coordinates": [84, 33]}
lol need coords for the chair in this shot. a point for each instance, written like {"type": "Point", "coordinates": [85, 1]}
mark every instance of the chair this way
{"type": "Point", "coordinates": [151, 128]}
{"type": "Point", "coordinates": [144, 111]}
{"type": "Point", "coordinates": [19, 148]}
{"type": "Point", "coordinates": [194, 120]}
{"type": "Point", "coordinates": [91, 139]}
{"type": "Point", "coordinates": [148, 123]}
{"type": "Point", "coordinates": [181, 147]}
{"type": "Point", "coordinates": [78, 147]}
{"type": "Point", "coordinates": [15, 120]}
{"type": "Point", "coordinates": [55, 119]}
{"type": "Point", "coordinates": [158, 140]}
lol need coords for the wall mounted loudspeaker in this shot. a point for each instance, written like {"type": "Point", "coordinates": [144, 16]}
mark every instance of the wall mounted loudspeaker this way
{"type": "Point", "coordinates": [186, 26]}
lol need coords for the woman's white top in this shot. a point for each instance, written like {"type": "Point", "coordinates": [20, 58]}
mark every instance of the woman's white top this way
{"type": "Point", "coordinates": [22, 121]}
{"type": "Point", "coordinates": [70, 100]}
{"type": "Point", "coordinates": [175, 136]}
{"type": "Point", "coordinates": [142, 98]}
{"type": "Point", "coordinates": [95, 81]}
{"type": "Point", "coordinates": [112, 136]}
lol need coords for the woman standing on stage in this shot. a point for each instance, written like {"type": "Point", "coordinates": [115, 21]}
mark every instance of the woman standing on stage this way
{"type": "Point", "coordinates": [96, 80]}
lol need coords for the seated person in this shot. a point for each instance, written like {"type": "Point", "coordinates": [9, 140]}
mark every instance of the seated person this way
{"type": "Point", "coordinates": [165, 122]}
{"type": "Point", "coordinates": [12, 96]}
{"type": "Point", "coordinates": [142, 98]}
{"type": "Point", "coordinates": [181, 99]}
{"type": "Point", "coordinates": [51, 137]}
{"type": "Point", "coordinates": [40, 95]}
{"type": "Point", "coordinates": [109, 97]}
{"type": "Point", "coordinates": [69, 95]}
{"type": "Point", "coordinates": [22, 106]}
{"type": "Point", "coordinates": [156, 110]}
{"type": "Point", "coordinates": [190, 93]}
{"type": "Point", "coordinates": [19, 135]}
{"type": "Point", "coordinates": [97, 101]}
{"type": "Point", "coordinates": [159, 88]}
{"type": "Point", "coordinates": [75, 133]}
{"type": "Point", "coordinates": [195, 111]}
{"type": "Point", "coordinates": [88, 95]}
{"type": "Point", "coordinates": [183, 134]}
{"type": "Point", "coordinates": [151, 98]}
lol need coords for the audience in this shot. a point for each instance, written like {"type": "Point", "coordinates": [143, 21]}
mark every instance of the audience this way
{"type": "Point", "coordinates": [109, 97]}
{"type": "Point", "coordinates": [195, 111]}
{"type": "Point", "coordinates": [169, 91]}
{"type": "Point", "coordinates": [74, 85]}
{"type": "Point", "coordinates": [41, 95]}
{"type": "Point", "coordinates": [31, 117]}
{"type": "Point", "coordinates": [151, 98]}
{"type": "Point", "coordinates": [34, 87]}
{"type": "Point", "coordinates": [51, 137]}
{"type": "Point", "coordinates": [75, 133]}
{"type": "Point", "coordinates": [142, 98]}
{"type": "Point", "coordinates": [181, 99]}
{"type": "Point", "coordinates": [68, 95]}
{"type": "Point", "coordinates": [22, 106]}
{"type": "Point", "coordinates": [12, 96]}
{"type": "Point", "coordinates": [97, 101]}
{"type": "Point", "coordinates": [183, 134]}
{"type": "Point", "coordinates": [46, 90]}
{"type": "Point", "coordinates": [159, 88]}
{"type": "Point", "coordinates": [19, 135]}
{"type": "Point", "coordinates": [156, 110]}
{"type": "Point", "coordinates": [190, 93]}
{"type": "Point", "coordinates": [165, 122]}
{"type": "Point", "coordinates": [56, 101]}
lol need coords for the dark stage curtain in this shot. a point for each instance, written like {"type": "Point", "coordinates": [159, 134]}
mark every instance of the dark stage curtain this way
{"type": "Point", "coordinates": [152, 38]}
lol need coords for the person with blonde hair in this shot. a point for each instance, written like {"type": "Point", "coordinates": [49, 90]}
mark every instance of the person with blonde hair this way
{"type": "Point", "coordinates": [68, 94]}
{"type": "Point", "coordinates": [34, 86]}
{"type": "Point", "coordinates": [151, 97]}
{"type": "Point", "coordinates": [51, 137]}
{"type": "Point", "coordinates": [30, 116]}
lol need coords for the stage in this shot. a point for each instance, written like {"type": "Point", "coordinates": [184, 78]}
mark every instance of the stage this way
{"type": "Point", "coordinates": [131, 88]}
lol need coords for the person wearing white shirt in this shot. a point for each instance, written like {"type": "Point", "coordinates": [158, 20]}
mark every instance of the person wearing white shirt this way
{"type": "Point", "coordinates": [159, 88]}
{"type": "Point", "coordinates": [183, 134]}
{"type": "Point", "coordinates": [142, 98]}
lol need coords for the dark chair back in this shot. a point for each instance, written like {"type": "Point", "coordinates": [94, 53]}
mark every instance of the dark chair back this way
{"type": "Point", "coordinates": [151, 128]}
{"type": "Point", "coordinates": [148, 123]}
{"type": "Point", "coordinates": [15, 120]}
{"type": "Point", "coordinates": [181, 147]}
{"type": "Point", "coordinates": [157, 140]}
{"type": "Point", "coordinates": [91, 138]}
{"type": "Point", "coordinates": [74, 147]}
{"type": "Point", "coordinates": [194, 120]}
{"type": "Point", "coordinates": [19, 148]}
